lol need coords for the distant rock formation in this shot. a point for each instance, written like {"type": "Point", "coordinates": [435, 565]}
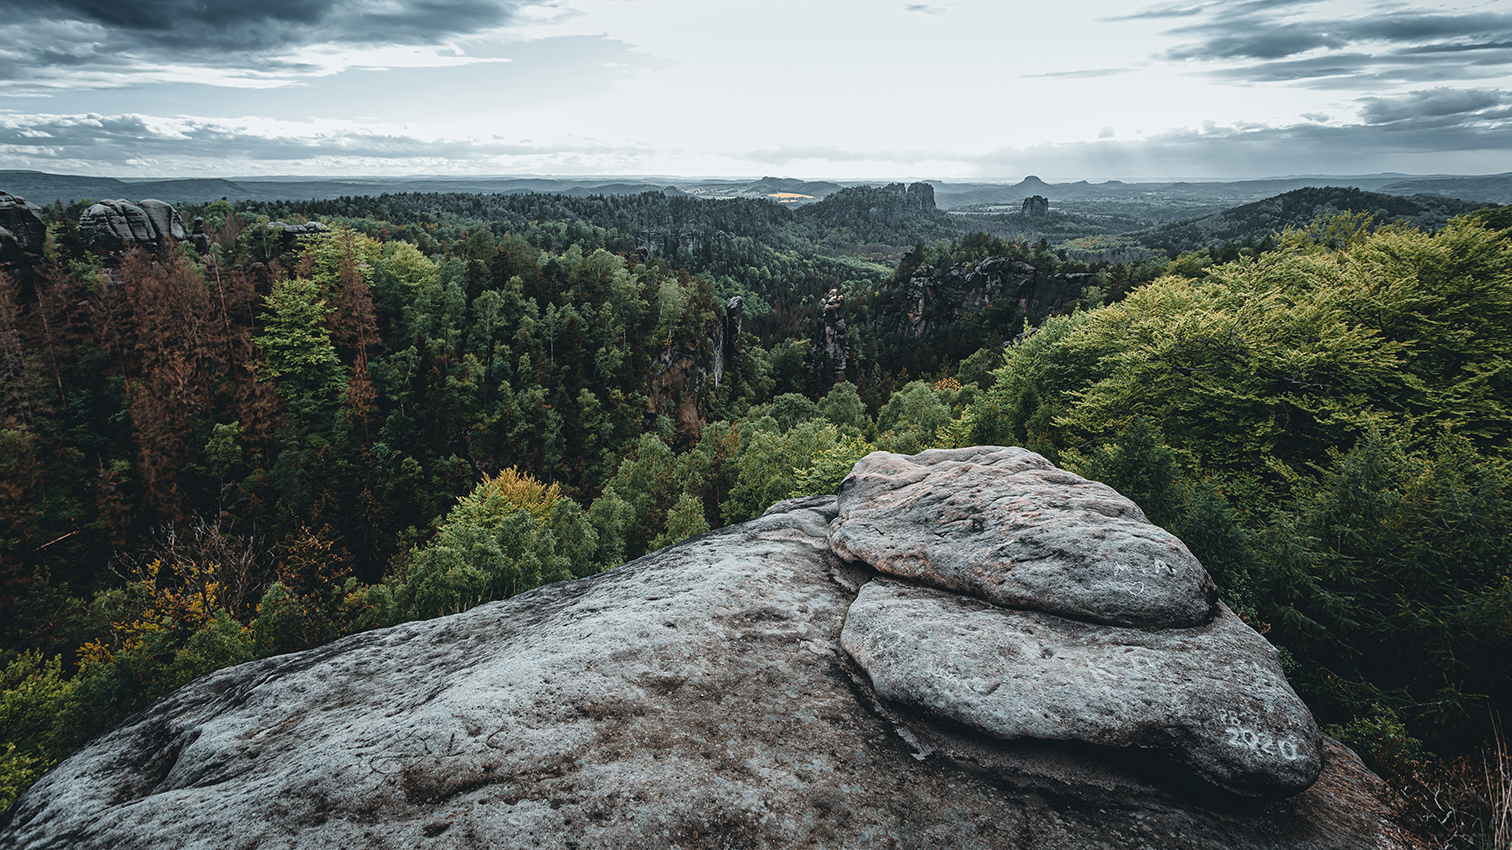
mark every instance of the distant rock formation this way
{"type": "Point", "coordinates": [118, 225]}
{"type": "Point", "coordinates": [725, 337]}
{"type": "Point", "coordinates": [751, 688]}
{"type": "Point", "coordinates": [22, 231]}
{"type": "Point", "coordinates": [918, 195]}
{"type": "Point", "coordinates": [682, 371]}
{"type": "Point", "coordinates": [871, 212]}
{"type": "Point", "coordinates": [936, 298]}
{"type": "Point", "coordinates": [1036, 205]}
{"type": "Point", "coordinates": [198, 237]}
{"type": "Point", "coordinates": [671, 242]}
{"type": "Point", "coordinates": [828, 351]}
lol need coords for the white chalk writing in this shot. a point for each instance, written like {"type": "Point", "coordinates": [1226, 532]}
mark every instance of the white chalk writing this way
{"type": "Point", "coordinates": [1258, 741]}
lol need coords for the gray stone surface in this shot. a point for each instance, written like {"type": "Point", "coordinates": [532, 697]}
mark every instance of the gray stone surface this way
{"type": "Point", "coordinates": [165, 220]}
{"type": "Point", "coordinates": [1005, 525]}
{"type": "Point", "coordinates": [698, 697]}
{"type": "Point", "coordinates": [1213, 697]}
{"type": "Point", "coordinates": [114, 225]}
{"type": "Point", "coordinates": [119, 225]}
{"type": "Point", "coordinates": [22, 232]}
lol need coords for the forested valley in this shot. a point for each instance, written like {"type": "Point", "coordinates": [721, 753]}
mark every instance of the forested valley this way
{"type": "Point", "coordinates": [255, 442]}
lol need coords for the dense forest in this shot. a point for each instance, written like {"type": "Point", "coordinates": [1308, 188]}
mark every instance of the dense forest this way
{"type": "Point", "coordinates": [218, 453]}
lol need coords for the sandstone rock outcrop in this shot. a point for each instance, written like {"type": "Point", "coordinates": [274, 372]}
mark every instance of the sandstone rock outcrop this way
{"type": "Point", "coordinates": [118, 225]}
{"type": "Point", "coordinates": [22, 231]}
{"type": "Point", "coordinates": [697, 697]}
{"type": "Point", "coordinates": [724, 336]}
{"type": "Point", "coordinates": [1103, 628]}
{"type": "Point", "coordinates": [1036, 205]}
{"type": "Point", "coordinates": [829, 351]}
{"type": "Point", "coordinates": [1005, 525]}
{"type": "Point", "coordinates": [936, 297]}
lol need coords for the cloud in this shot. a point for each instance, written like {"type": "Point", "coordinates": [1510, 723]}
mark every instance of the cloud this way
{"type": "Point", "coordinates": [188, 145]}
{"type": "Point", "coordinates": [1086, 74]}
{"type": "Point", "coordinates": [924, 8]}
{"type": "Point", "coordinates": [106, 43]}
{"type": "Point", "coordinates": [1251, 42]}
{"type": "Point", "coordinates": [1466, 142]}
{"type": "Point", "coordinates": [1433, 103]}
{"type": "Point", "coordinates": [1434, 131]}
{"type": "Point", "coordinates": [1168, 11]}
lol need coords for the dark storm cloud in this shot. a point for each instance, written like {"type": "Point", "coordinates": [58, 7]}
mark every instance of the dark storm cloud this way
{"type": "Point", "coordinates": [1272, 44]}
{"type": "Point", "coordinates": [58, 39]}
{"type": "Point", "coordinates": [239, 24]}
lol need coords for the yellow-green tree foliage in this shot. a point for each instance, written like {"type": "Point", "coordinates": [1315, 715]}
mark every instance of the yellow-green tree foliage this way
{"type": "Point", "coordinates": [1265, 364]}
{"type": "Point", "coordinates": [1349, 394]}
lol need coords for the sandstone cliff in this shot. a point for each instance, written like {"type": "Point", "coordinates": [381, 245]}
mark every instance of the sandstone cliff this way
{"type": "Point", "coordinates": [22, 232]}
{"type": "Point", "coordinates": [935, 298]}
{"type": "Point", "coordinates": [832, 674]}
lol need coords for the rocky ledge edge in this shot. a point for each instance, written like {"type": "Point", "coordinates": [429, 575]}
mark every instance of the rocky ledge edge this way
{"type": "Point", "coordinates": [1038, 604]}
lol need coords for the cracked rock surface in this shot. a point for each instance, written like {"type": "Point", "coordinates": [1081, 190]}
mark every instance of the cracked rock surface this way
{"type": "Point", "coordinates": [696, 698]}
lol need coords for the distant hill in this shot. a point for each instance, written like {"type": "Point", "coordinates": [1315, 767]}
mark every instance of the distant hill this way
{"type": "Point", "coordinates": [42, 188]}
{"type": "Point", "coordinates": [1190, 193]}
{"type": "Point", "coordinates": [1496, 188]}
{"type": "Point", "coordinates": [1295, 209]}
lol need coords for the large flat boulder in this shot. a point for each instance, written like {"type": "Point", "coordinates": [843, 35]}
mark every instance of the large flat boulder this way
{"type": "Point", "coordinates": [1213, 696]}
{"type": "Point", "coordinates": [696, 698]}
{"type": "Point", "coordinates": [1005, 525]}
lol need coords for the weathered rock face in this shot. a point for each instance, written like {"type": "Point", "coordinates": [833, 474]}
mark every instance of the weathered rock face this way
{"type": "Point", "coordinates": [1005, 525]}
{"type": "Point", "coordinates": [119, 225]}
{"type": "Point", "coordinates": [698, 697]}
{"type": "Point", "coordinates": [828, 351]}
{"type": "Point", "coordinates": [1036, 205]}
{"type": "Point", "coordinates": [677, 390]}
{"type": "Point", "coordinates": [165, 220]}
{"type": "Point", "coordinates": [199, 238]}
{"type": "Point", "coordinates": [22, 231]}
{"type": "Point", "coordinates": [677, 243]}
{"type": "Point", "coordinates": [1213, 697]}
{"type": "Point", "coordinates": [724, 336]}
{"type": "Point", "coordinates": [935, 298]}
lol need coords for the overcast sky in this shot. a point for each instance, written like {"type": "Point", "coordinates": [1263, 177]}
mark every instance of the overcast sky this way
{"type": "Point", "coordinates": [954, 90]}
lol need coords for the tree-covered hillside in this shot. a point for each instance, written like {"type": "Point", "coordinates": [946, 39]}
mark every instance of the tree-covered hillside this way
{"type": "Point", "coordinates": [1251, 223]}
{"type": "Point", "coordinates": [211, 455]}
